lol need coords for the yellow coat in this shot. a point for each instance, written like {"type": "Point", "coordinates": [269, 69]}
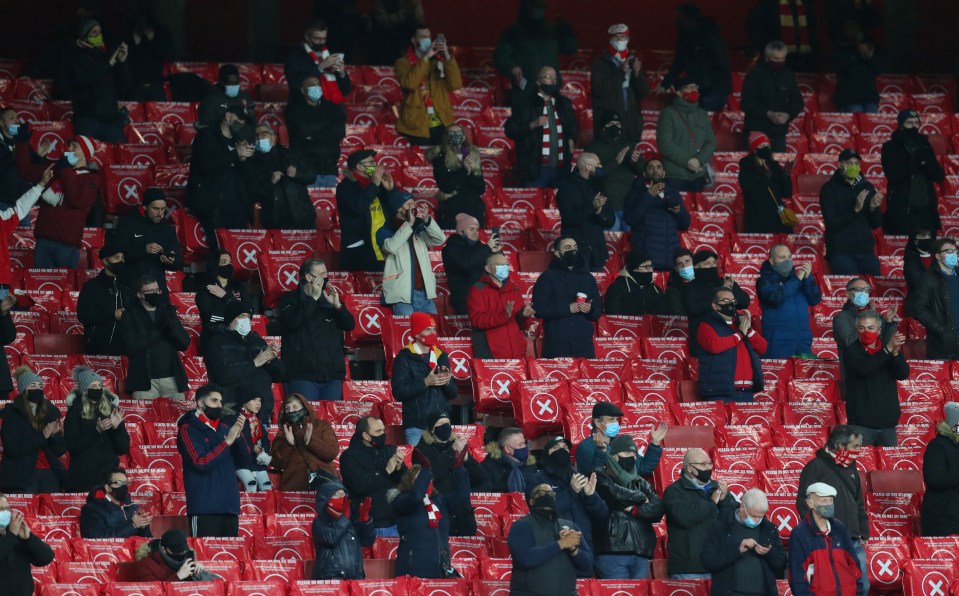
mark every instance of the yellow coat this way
{"type": "Point", "coordinates": [413, 119]}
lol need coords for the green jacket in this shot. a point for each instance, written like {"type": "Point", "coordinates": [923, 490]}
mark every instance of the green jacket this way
{"type": "Point", "coordinates": [683, 132]}
{"type": "Point", "coordinates": [619, 177]}
{"type": "Point", "coordinates": [532, 48]}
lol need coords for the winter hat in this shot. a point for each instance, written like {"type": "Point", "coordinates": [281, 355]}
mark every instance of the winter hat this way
{"type": "Point", "coordinates": [606, 408]}
{"type": "Point", "coordinates": [554, 441]}
{"type": "Point", "coordinates": [396, 199]}
{"type": "Point", "coordinates": [84, 376]}
{"type": "Point", "coordinates": [622, 443]}
{"type": "Point", "coordinates": [244, 393]}
{"type": "Point", "coordinates": [235, 309]}
{"type": "Point", "coordinates": [87, 147]}
{"type": "Point", "coordinates": [756, 139]}
{"type": "Point", "coordinates": [358, 156]}
{"type": "Point", "coordinates": [434, 417]}
{"type": "Point", "coordinates": [609, 116]}
{"type": "Point", "coordinates": [153, 194]}
{"type": "Point", "coordinates": [228, 70]}
{"type": "Point", "coordinates": [684, 80]}
{"type": "Point", "coordinates": [25, 376]}
{"type": "Point", "coordinates": [848, 154]}
{"type": "Point", "coordinates": [420, 321]}
{"type": "Point", "coordinates": [110, 248]}
{"type": "Point", "coordinates": [702, 255]}
{"type": "Point", "coordinates": [635, 259]}
{"type": "Point", "coordinates": [952, 413]}
{"type": "Point", "coordinates": [174, 541]}
{"type": "Point", "coordinates": [465, 220]}
{"type": "Point", "coordinates": [618, 29]}
{"type": "Point", "coordinates": [85, 26]}
{"type": "Point", "coordinates": [905, 115]}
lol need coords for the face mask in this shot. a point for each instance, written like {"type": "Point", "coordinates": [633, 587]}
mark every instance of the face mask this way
{"type": "Point", "coordinates": [643, 278]}
{"type": "Point", "coordinates": [224, 271]}
{"type": "Point", "coordinates": [924, 245]}
{"type": "Point", "coordinates": [521, 454]}
{"type": "Point", "coordinates": [549, 89]}
{"type": "Point", "coordinates": [231, 90]}
{"type": "Point", "coordinates": [120, 492]}
{"type": "Point", "coordinates": [690, 96]}
{"type": "Point", "coordinates": [295, 417]}
{"type": "Point", "coordinates": [709, 274]}
{"type": "Point", "coordinates": [456, 138]}
{"type": "Point", "coordinates": [784, 268]}
{"type": "Point", "coordinates": [951, 261]}
{"type": "Point", "coordinates": [559, 458]}
{"type": "Point", "coordinates": [860, 299]}
{"type": "Point", "coordinates": [704, 476]}
{"type": "Point", "coordinates": [94, 394]}
{"type": "Point", "coordinates": [868, 338]}
{"type": "Point", "coordinates": [827, 511]}
{"type": "Point", "coordinates": [776, 66]}
{"type": "Point", "coordinates": [314, 93]}
{"type": "Point", "coordinates": [243, 326]}
{"type": "Point", "coordinates": [335, 503]}
{"type": "Point", "coordinates": [912, 132]}
{"type": "Point", "coordinates": [851, 171]}
{"type": "Point", "coordinates": [728, 310]}
{"type": "Point", "coordinates": [153, 300]}
{"type": "Point", "coordinates": [35, 395]}
{"type": "Point", "coordinates": [501, 273]}
{"type": "Point", "coordinates": [4, 519]}
{"type": "Point", "coordinates": [428, 339]}
{"type": "Point", "coordinates": [613, 132]}
{"type": "Point", "coordinates": [612, 429]}
{"type": "Point", "coordinates": [263, 145]}
{"type": "Point", "coordinates": [13, 129]}
{"type": "Point", "coordinates": [236, 127]}
{"type": "Point", "coordinates": [765, 153]}
{"type": "Point", "coordinates": [572, 258]}
{"type": "Point", "coordinates": [687, 273]}
{"type": "Point", "coordinates": [212, 413]}
{"type": "Point", "coordinates": [628, 464]}
{"type": "Point", "coordinates": [443, 433]}
{"type": "Point", "coordinates": [95, 40]}
{"type": "Point", "coordinates": [620, 45]}
{"type": "Point", "coordinates": [752, 523]}
{"type": "Point", "coordinates": [424, 45]}
{"type": "Point", "coordinates": [378, 441]}
{"type": "Point", "coordinates": [71, 158]}
{"type": "Point", "coordinates": [545, 501]}
{"type": "Point", "coordinates": [598, 174]}
{"type": "Point", "coordinates": [115, 268]}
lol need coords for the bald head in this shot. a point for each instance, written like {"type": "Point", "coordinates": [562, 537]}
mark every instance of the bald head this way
{"type": "Point", "coordinates": [586, 164]}
{"type": "Point", "coordinates": [694, 455]}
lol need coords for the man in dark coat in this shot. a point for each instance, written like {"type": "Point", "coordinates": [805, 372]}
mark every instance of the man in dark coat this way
{"type": "Point", "coordinates": [567, 299]}
{"type": "Point", "coordinates": [940, 472]}
{"type": "Point", "coordinates": [316, 125]}
{"type": "Point", "coordinates": [508, 463]}
{"type": "Point", "coordinates": [360, 198]}
{"type": "Point", "coordinates": [149, 242]}
{"type": "Point", "coordinates": [277, 179]}
{"type": "Point", "coordinates": [622, 162]}
{"type": "Point", "coordinates": [697, 294]}
{"type": "Point", "coordinates": [618, 85]}
{"type": "Point", "coordinates": [785, 294]}
{"type": "Point", "coordinates": [370, 468]}
{"type": "Point", "coordinates": [585, 210]}
{"type": "Point", "coordinates": [19, 549]}
{"type": "Point", "coordinates": [313, 319]}
{"type": "Point", "coordinates": [701, 55]}
{"type": "Point", "coordinates": [101, 303]}
{"type": "Point", "coordinates": [8, 335]}
{"type": "Point", "coordinates": [312, 57]}
{"type": "Point", "coordinates": [771, 97]}
{"type": "Point", "coordinates": [937, 301]}
{"type": "Point", "coordinates": [850, 209]}
{"type": "Point", "coordinates": [911, 169]}
{"type": "Point", "coordinates": [110, 513]}
{"type": "Point", "coordinates": [150, 46]}
{"type": "Point", "coordinates": [339, 539]}
{"type": "Point", "coordinates": [765, 185]}
{"type": "Point", "coordinates": [655, 214]}
{"type": "Point", "coordinates": [633, 293]}
{"type": "Point", "coordinates": [532, 43]}
{"type": "Point", "coordinates": [224, 95]}
{"type": "Point", "coordinates": [857, 64]}
{"type": "Point", "coordinates": [16, 157]}
{"type": "Point", "coordinates": [464, 257]}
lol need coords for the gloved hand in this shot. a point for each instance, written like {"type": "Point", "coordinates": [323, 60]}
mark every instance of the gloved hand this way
{"type": "Point", "coordinates": [24, 134]}
{"type": "Point", "coordinates": [365, 508]}
{"type": "Point", "coordinates": [264, 458]}
{"type": "Point", "coordinates": [345, 509]}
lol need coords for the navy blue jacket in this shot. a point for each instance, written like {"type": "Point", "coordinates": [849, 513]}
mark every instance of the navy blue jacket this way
{"type": "Point", "coordinates": [409, 371]}
{"type": "Point", "coordinates": [580, 220]}
{"type": "Point", "coordinates": [654, 229]}
{"type": "Point", "coordinates": [22, 444]}
{"type": "Point", "coordinates": [339, 541]}
{"type": "Point", "coordinates": [209, 475]}
{"type": "Point", "coordinates": [424, 551]}
{"type": "Point", "coordinates": [566, 334]}
{"type": "Point", "coordinates": [540, 567]}
{"type": "Point", "coordinates": [785, 302]}
{"type": "Point", "coordinates": [583, 510]}
{"type": "Point", "coordinates": [589, 458]}
{"type": "Point", "coordinates": [848, 232]}
{"type": "Point", "coordinates": [242, 449]}
{"type": "Point", "coordinates": [102, 518]}
{"type": "Point", "coordinates": [717, 371]}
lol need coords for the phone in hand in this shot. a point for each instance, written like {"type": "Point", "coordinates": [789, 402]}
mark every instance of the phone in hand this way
{"type": "Point", "coordinates": [326, 282]}
{"type": "Point", "coordinates": [496, 231]}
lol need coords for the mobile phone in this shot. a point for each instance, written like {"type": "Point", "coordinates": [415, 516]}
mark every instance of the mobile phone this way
{"type": "Point", "coordinates": [441, 38]}
{"type": "Point", "coordinates": [326, 281]}
{"type": "Point", "coordinates": [496, 231]}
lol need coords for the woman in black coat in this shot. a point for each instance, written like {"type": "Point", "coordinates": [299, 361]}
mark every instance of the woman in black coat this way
{"type": "Point", "coordinates": [459, 176]}
{"type": "Point", "coordinates": [220, 290]}
{"type": "Point", "coordinates": [94, 431]}
{"type": "Point", "coordinates": [32, 437]}
{"type": "Point", "coordinates": [765, 184]}
{"type": "Point", "coordinates": [940, 471]}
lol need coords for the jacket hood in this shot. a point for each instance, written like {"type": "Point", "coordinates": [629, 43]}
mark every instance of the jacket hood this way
{"type": "Point", "coordinates": [943, 430]}
{"type": "Point", "coordinates": [429, 439]}
{"type": "Point", "coordinates": [493, 451]}
{"type": "Point", "coordinates": [324, 493]}
{"type": "Point", "coordinates": [74, 395]}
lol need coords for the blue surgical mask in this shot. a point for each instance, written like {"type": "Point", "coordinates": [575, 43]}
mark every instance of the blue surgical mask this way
{"type": "Point", "coordinates": [13, 129]}
{"type": "Point", "coordinates": [232, 90]}
{"type": "Point", "coordinates": [4, 518]}
{"type": "Point", "coordinates": [314, 92]}
{"type": "Point", "coordinates": [687, 273]}
{"type": "Point", "coordinates": [71, 157]}
{"type": "Point", "coordinates": [951, 261]}
{"type": "Point", "coordinates": [424, 45]}
{"type": "Point", "coordinates": [612, 429]}
{"type": "Point", "coordinates": [752, 523]}
{"type": "Point", "coordinates": [860, 299]}
{"type": "Point", "coordinates": [501, 273]}
{"type": "Point", "coordinates": [263, 145]}
{"type": "Point", "coordinates": [521, 454]}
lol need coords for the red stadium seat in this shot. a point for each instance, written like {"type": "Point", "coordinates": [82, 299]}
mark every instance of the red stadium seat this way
{"type": "Point", "coordinates": [896, 481]}
{"type": "Point", "coordinates": [59, 343]}
{"type": "Point", "coordinates": [690, 436]}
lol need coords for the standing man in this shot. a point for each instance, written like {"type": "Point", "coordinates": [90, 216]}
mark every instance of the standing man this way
{"type": "Point", "coordinates": [618, 85]}
{"type": "Point", "coordinates": [102, 301]}
{"type": "Point", "coordinates": [850, 209]}
{"type": "Point", "coordinates": [312, 57]}
{"type": "Point", "coordinates": [313, 319]}
{"type": "Point", "coordinates": [277, 179]}
{"type": "Point", "coordinates": [937, 301]}
{"type": "Point", "coordinates": [771, 97]}
{"type": "Point", "coordinates": [225, 94]}
{"type": "Point", "coordinates": [531, 43]}
{"type": "Point", "coordinates": [19, 549]}
{"type": "Point", "coordinates": [464, 258]}
{"type": "Point", "coordinates": [150, 245]}
{"type": "Point", "coordinates": [685, 138]}
{"type": "Point", "coordinates": [785, 294]}
{"type": "Point", "coordinates": [912, 170]}
{"type": "Point", "coordinates": [844, 324]}
{"type": "Point", "coordinates": [697, 293]}
{"type": "Point", "coordinates": [370, 468]}
{"type": "Point", "coordinates": [360, 197]}
{"type": "Point", "coordinates": [209, 476]}
{"type": "Point", "coordinates": [585, 210]}
{"type": "Point", "coordinates": [822, 559]}
{"type": "Point", "coordinates": [623, 163]}
{"type": "Point", "coordinates": [592, 451]}
{"type": "Point", "coordinates": [316, 125]}
{"type": "Point", "coordinates": [498, 312]}
{"type": "Point", "coordinates": [427, 73]}
{"type": "Point", "coordinates": [655, 214]}
{"type": "Point", "coordinates": [700, 53]}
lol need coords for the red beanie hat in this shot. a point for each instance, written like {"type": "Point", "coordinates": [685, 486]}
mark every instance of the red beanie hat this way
{"type": "Point", "coordinates": [756, 139]}
{"type": "Point", "coordinates": [87, 146]}
{"type": "Point", "coordinates": [653, 156]}
{"type": "Point", "coordinates": [420, 321]}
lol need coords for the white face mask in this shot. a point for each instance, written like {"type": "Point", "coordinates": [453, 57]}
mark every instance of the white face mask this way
{"type": "Point", "coordinates": [620, 45]}
{"type": "Point", "coordinates": [243, 326]}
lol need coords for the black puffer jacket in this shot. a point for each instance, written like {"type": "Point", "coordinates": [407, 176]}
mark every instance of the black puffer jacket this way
{"type": "Point", "coordinates": [312, 332]}
{"type": "Point", "coordinates": [102, 518]}
{"type": "Point", "coordinates": [91, 452]}
{"type": "Point", "coordinates": [99, 300]}
{"type": "Point", "coordinates": [142, 336]}
{"type": "Point", "coordinates": [940, 470]}
{"type": "Point", "coordinates": [624, 532]}
{"type": "Point", "coordinates": [566, 334]}
{"type": "Point", "coordinates": [229, 362]}
{"type": "Point", "coordinates": [285, 204]}
{"type": "Point", "coordinates": [848, 232]}
{"type": "Point", "coordinates": [933, 310]}
{"type": "Point", "coordinates": [22, 445]}
{"type": "Point", "coordinates": [409, 388]}
{"type": "Point", "coordinates": [339, 541]}
{"type": "Point", "coordinates": [443, 457]}
{"type": "Point", "coordinates": [364, 475]}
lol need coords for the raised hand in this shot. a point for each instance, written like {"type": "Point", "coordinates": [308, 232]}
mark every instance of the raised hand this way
{"type": "Point", "coordinates": [659, 433]}
{"type": "Point", "coordinates": [46, 178]}
{"type": "Point", "coordinates": [745, 322]}
{"type": "Point", "coordinates": [116, 418]}
{"type": "Point", "coordinates": [288, 434]}
{"type": "Point", "coordinates": [578, 483]}
{"type": "Point", "coordinates": [861, 200]}
{"type": "Point", "coordinates": [365, 507]}
{"type": "Point", "coordinates": [308, 433]}
{"type": "Point", "coordinates": [590, 488]}
{"type": "Point", "coordinates": [235, 430]}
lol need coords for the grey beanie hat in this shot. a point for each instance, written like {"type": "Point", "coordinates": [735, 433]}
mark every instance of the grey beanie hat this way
{"type": "Point", "coordinates": [952, 413]}
{"type": "Point", "coordinates": [84, 376]}
{"type": "Point", "coordinates": [26, 378]}
{"type": "Point", "coordinates": [83, 29]}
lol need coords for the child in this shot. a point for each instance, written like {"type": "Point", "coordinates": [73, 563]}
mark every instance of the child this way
{"type": "Point", "coordinates": [251, 452]}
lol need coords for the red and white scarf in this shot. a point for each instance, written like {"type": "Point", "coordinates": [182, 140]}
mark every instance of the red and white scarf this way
{"type": "Point", "coordinates": [256, 429]}
{"type": "Point", "coordinates": [214, 424]}
{"type": "Point", "coordinates": [621, 55]}
{"type": "Point", "coordinates": [433, 514]}
{"type": "Point", "coordinates": [549, 104]}
{"type": "Point", "coordinates": [430, 110]}
{"type": "Point", "coordinates": [435, 353]}
{"type": "Point", "coordinates": [331, 89]}
{"type": "Point", "coordinates": [794, 29]}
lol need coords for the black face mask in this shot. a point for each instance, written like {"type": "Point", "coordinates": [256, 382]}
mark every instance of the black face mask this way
{"type": "Point", "coordinates": [572, 258]}
{"type": "Point", "coordinates": [708, 274]}
{"type": "Point", "coordinates": [613, 132]}
{"type": "Point", "coordinates": [116, 268]}
{"type": "Point", "coordinates": [35, 395]}
{"type": "Point", "coordinates": [378, 441]}
{"type": "Point", "coordinates": [179, 557]}
{"type": "Point", "coordinates": [295, 417]}
{"type": "Point", "coordinates": [443, 433]}
{"type": "Point", "coordinates": [628, 464]}
{"type": "Point", "coordinates": [925, 244]}
{"type": "Point", "coordinates": [704, 476]}
{"type": "Point", "coordinates": [212, 413]}
{"type": "Point", "coordinates": [550, 89]}
{"type": "Point", "coordinates": [120, 492]}
{"type": "Point", "coordinates": [559, 459]}
{"type": "Point", "coordinates": [224, 271]}
{"type": "Point", "coordinates": [236, 127]}
{"type": "Point", "coordinates": [545, 501]}
{"type": "Point", "coordinates": [154, 300]}
{"type": "Point", "coordinates": [765, 153]}
{"type": "Point", "coordinates": [910, 132]}
{"type": "Point", "coordinates": [317, 47]}
{"type": "Point", "coordinates": [94, 394]}
{"type": "Point", "coordinates": [643, 278]}
{"type": "Point", "coordinates": [728, 310]}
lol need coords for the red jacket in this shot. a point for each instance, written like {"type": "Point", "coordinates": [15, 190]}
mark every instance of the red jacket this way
{"type": "Point", "coordinates": [486, 305]}
{"type": "Point", "coordinates": [152, 568]}
{"type": "Point", "coordinates": [64, 223]}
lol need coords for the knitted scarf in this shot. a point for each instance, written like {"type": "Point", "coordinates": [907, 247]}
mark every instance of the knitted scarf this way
{"type": "Point", "coordinates": [435, 353]}
{"type": "Point", "coordinates": [621, 476]}
{"type": "Point", "coordinates": [516, 481]}
{"type": "Point", "coordinates": [621, 55]}
{"type": "Point", "coordinates": [256, 429]}
{"type": "Point", "coordinates": [794, 28]}
{"type": "Point", "coordinates": [433, 514]}
{"type": "Point", "coordinates": [427, 100]}
{"type": "Point", "coordinates": [549, 105]}
{"type": "Point", "coordinates": [331, 89]}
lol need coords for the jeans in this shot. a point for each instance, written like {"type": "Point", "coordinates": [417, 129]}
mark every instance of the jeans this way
{"type": "Point", "coordinates": [863, 563]}
{"type": "Point", "coordinates": [413, 436]}
{"type": "Point", "coordinates": [324, 181]}
{"type": "Point", "coordinates": [714, 102]}
{"type": "Point", "coordinates": [864, 264]}
{"type": "Point", "coordinates": [620, 225]}
{"type": "Point", "coordinates": [420, 304]}
{"type": "Point", "coordinates": [880, 437]}
{"type": "Point", "coordinates": [548, 177]}
{"type": "Point", "coordinates": [51, 254]}
{"type": "Point", "coordinates": [868, 108]}
{"type": "Point", "coordinates": [387, 531]}
{"type": "Point", "coordinates": [622, 567]}
{"type": "Point", "coordinates": [690, 576]}
{"type": "Point", "coordinates": [314, 391]}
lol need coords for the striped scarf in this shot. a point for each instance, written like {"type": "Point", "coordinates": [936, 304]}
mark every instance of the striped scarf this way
{"type": "Point", "coordinates": [331, 89]}
{"type": "Point", "coordinates": [427, 100]}
{"type": "Point", "coordinates": [435, 353]}
{"type": "Point", "coordinates": [798, 40]}
{"type": "Point", "coordinates": [433, 514]}
{"type": "Point", "coordinates": [550, 105]}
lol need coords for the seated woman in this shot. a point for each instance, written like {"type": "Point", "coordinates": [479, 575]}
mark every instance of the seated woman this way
{"type": "Point", "coordinates": [459, 176]}
{"type": "Point", "coordinates": [32, 438]}
{"type": "Point", "coordinates": [94, 430]}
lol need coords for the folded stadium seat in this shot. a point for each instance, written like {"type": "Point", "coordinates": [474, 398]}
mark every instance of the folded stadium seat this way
{"type": "Point", "coordinates": [369, 115]}
{"type": "Point", "coordinates": [730, 141]}
{"type": "Point", "coordinates": [534, 261]}
{"type": "Point", "coordinates": [690, 436]}
{"type": "Point", "coordinates": [59, 343]}
{"type": "Point", "coordinates": [896, 481]}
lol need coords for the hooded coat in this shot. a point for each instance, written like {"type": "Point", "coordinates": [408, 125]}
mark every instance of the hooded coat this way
{"type": "Point", "coordinates": [91, 452]}
{"type": "Point", "coordinates": [940, 472]}
{"type": "Point", "coordinates": [625, 297]}
{"type": "Point", "coordinates": [364, 475]}
{"type": "Point", "coordinates": [22, 445]}
{"type": "Point", "coordinates": [339, 541]}
{"type": "Point", "coordinates": [785, 302]}
{"type": "Point", "coordinates": [298, 460]}
{"type": "Point", "coordinates": [654, 228]}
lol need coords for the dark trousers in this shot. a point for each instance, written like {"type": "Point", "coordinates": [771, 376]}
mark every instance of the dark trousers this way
{"type": "Point", "coordinates": [219, 525]}
{"type": "Point", "coordinates": [436, 137]}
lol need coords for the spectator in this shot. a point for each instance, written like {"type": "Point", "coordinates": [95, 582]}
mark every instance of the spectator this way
{"type": "Point", "coordinates": [917, 257]}
{"type": "Point", "coordinates": [743, 551]}
{"type": "Point", "coordinates": [339, 540]}
{"type": "Point", "coordinates": [149, 47]}
{"type": "Point", "coordinates": [220, 291]}
{"type": "Point", "coordinates": [458, 171]}
{"type": "Point", "coordinates": [576, 497]}
{"type": "Point", "coordinates": [392, 22]}
{"type": "Point", "coordinates": [655, 214]}
{"type": "Point", "coordinates": [697, 293]}
{"type": "Point", "coordinates": [617, 85]}
{"type": "Point", "coordinates": [150, 245]}
{"type": "Point", "coordinates": [820, 537]}
{"type": "Point", "coordinates": [785, 294]}
{"type": "Point", "coordinates": [684, 136]}
{"type": "Point", "coordinates": [585, 210]}
{"type": "Point", "coordinates": [168, 559]}
{"type": "Point", "coordinates": [251, 450]}
{"type": "Point", "coordinates": [307, 448]}
{"type": "Point", "coordinates": [102, 301]}
{"type": "Point", "coordinates": [94, 78]}
{"type": "Point", "coordinates": [215, 192]}
{"type": "Point", "coordinates": [313, 319]}
{"type": "Point", "coordinates": [544, 127]}
{"type": "Point", "coordinates": [19, 550]}
{"type": "Point", "coordinates": [692, 504]}
{"type": "Point", "coordinates": [110, 513]}
{"type": "Point", "coordinates": [871, 369]}
{"type": "Point", "coordinates": [94, 430]}
{"type": "Point", "coordinates": [446, 453]}
{"type": "Point", "coordinates": [548, 551]}
{"type": "Point", "coordinates": [794, 22]}
{"type": "Point", "coordinates": [940, 472]}
{"type": "Point", "coordinates": [701, 55]}
{"type": "Point", "coordinates": [858, 301]}
{"type": "Point", "coordinates": [16, 214]}
{"type": "Point", "coordinates": [911, 169]}
{"type": "Point", "coordinates": [421, 377]}
{"type": "Point", "coordinates": [623, 161]}
{"type": "Point", "coordinates": [313, 57]}
{"type": "Point", "coordinates": [850, 208]}
{"type": "Point", "coordinates": [152, 334]}
{"type": "Point", "coordinates": [532, 43]}
{"type": "Point", "coordinates": [633, 293]}
{"type": "Point", "coordinates": [276, 178]}
{"type": "Point", "coordinates": [765, 185]}
{"type": "Point", "coordinates": [423, 521]}
{"type": "Point", "coordinates": [682, 275]}
{"type": "Point", "coordinates": [360, 197]}
{"type": "Point", "coordinates": [317, 126]}
{"type": "Point", "coordinates": [566, 297]}
{"type": "Point", "coordinates": [593, 451]}
{"type": "Point", "coordinates": [209, 475]}
{"type": "Point", "coordinates": [224, 95]}
{"type": "Point", "coordinates": [771, 97]}
{"type": "Point", "coordinates": [17, 166]}
{"type": "Point", "coordinates": [236, 356]}
{"type": "Point", "coordinates": [370, 468]}
{"type": "Point", "coordinates": [836, 463]}
{"type": "Point", "coordinates": [857, 66]}
{"type": "Point", "coordinates": [8, 335]}
{"type": "Point", "coordinates": [937, 302]}
{"type": "Point", "coordinates": [508, 463]}
{"type": "Point", "coordinates": [728, 349]}
{"type": "Point", "coordinates": [427, 73]}
{"type": "Point", "coordinates": [464, 259]}
{"type": "Point", "coordinates": [65, 206]}
{"type": "Point", "coordinates": [409, 284]}
{"type": "Point", "coordinates": [32, 439]}
{"type": "Point", "coordinates": [625, 544]}
{"type": "Point", "coordinates": [496, 316]}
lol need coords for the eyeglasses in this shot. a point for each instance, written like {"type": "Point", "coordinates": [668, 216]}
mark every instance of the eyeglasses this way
{"type": "Point", "coordinates": [547, 78]}
{"type": "Point", "coordinates": [120, 483]}
{"type": "Point", "coordinates": [948, 251]}
{"type": "Point", "coordinates": [860, 289]}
